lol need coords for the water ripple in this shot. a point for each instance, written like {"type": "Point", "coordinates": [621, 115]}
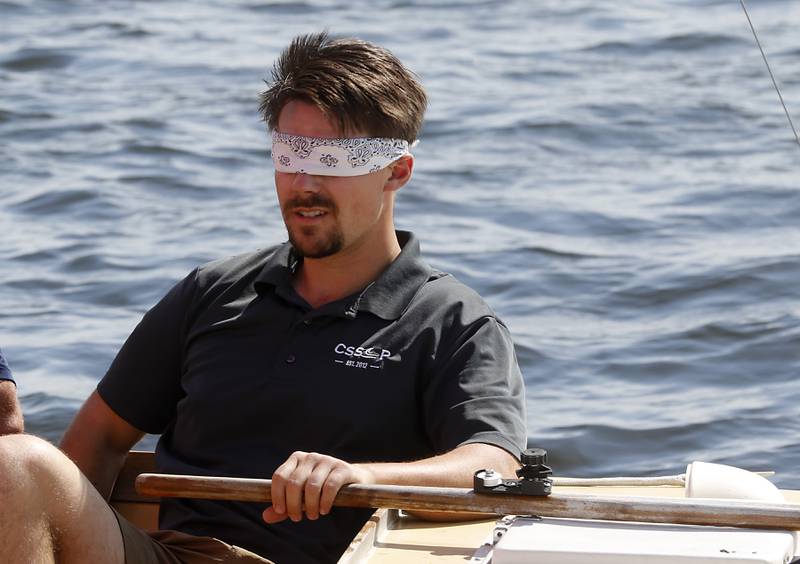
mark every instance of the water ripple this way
{"type": "Point", "coordinates": [30, 60]}
{"type": "Point", "coordinates": [617, 179]}
{"type": "Point", "coordinates": [56, 202]}
{"type": "Point", "coordinates": [680, 43]}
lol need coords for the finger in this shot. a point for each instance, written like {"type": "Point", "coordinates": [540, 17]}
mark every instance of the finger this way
{"type": "Point", "coordinates": [336, 479]}
{"type": "Point", "coordinates": [313, 488]}
{"type": "Point", "coordinates": [279, 479]}
{"type": "Point", "coordinates": [295, 486]}
{"type": "Point", "coordinates": [270, 516]}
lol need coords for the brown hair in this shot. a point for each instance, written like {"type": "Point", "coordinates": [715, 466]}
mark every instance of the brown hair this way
{"type": "Point", "coordinates": [362, 86]}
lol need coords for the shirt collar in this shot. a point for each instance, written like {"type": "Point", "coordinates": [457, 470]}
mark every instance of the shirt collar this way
{"type": "Point", "coordinates": [277, 270]}
{"type": "Point", "coordinates": [387, 297]}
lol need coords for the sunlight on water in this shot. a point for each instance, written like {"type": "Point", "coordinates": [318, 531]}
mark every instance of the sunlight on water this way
{"type": "Point", "coordinates": [618, 181]}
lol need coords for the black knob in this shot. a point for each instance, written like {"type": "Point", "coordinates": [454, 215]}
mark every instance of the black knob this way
{"type": "Point", "coordinates": [534, 457]}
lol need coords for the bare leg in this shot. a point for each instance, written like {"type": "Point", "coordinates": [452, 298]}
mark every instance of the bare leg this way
{"type": "Point", "coordinates": [49, 511]}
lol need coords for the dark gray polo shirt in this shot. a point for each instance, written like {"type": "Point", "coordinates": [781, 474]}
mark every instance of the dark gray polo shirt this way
{"type": "Point", "coordinates": [5, 371]}
{"type": "Point", "coordinates": [237, 371]}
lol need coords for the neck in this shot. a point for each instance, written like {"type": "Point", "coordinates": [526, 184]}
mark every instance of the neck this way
{"type": "Point", "coordinates": [325, 280]}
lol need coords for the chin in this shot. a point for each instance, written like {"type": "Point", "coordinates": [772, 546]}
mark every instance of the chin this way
{"type": "Point", "coordinates": [316, 247]}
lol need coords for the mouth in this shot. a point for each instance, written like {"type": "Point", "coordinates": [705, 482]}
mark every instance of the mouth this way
{"type": "Point", "coordinates": [310, 213]}
{"type": "Point", "coordinates": [309, 210]}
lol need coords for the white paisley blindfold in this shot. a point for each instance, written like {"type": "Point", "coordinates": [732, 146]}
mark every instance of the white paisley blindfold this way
{"type": "Point", "coordinates": [349, 156]}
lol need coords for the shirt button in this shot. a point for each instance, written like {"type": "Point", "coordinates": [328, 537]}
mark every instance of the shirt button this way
{"type": "Point", "coordinates": [290, 359]}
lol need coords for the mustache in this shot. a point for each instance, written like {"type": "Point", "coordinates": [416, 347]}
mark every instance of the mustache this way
{"type": "Point", "coordinates": [312, 201]}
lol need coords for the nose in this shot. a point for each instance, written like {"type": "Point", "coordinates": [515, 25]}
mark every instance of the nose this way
{"type": "Point", "coordinates": [305, 182]}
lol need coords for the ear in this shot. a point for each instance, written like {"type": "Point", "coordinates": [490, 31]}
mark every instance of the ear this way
{"type": "Point", "coordinates": [399, 173]}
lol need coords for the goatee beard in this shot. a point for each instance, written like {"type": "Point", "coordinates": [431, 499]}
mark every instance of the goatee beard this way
{"type": "Point", "coordinates": [316, 249]}
{"type": "Point", "coordinates": [311, 242]}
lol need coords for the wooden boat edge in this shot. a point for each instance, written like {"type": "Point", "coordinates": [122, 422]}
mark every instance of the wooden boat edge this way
{"type": "Point", "coordinates": [373, 536]}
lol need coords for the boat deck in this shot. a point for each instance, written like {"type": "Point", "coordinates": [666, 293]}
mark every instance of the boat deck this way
{"type": "Point", "coordinates": [389, 537]}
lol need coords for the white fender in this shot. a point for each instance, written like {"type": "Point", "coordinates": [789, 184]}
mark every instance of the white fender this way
{"type": "Point", "coordinates": [708, 480]}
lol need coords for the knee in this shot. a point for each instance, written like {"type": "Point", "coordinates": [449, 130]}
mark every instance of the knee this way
{"type": "Point", "coordinates": [25, 464]}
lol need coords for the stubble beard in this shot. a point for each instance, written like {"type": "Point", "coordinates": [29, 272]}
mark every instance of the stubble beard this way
{"type": "Point", "coordinates": [314, 241]}
{"type": "Point", "coordinates": [315, 245]}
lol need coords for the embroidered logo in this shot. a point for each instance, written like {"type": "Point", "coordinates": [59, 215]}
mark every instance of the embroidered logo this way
{"type": "Point", "coordinates": [360, 357]}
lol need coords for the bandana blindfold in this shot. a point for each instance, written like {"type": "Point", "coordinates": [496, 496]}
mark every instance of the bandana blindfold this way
{"type": "Point", "coordinates": [349, 156]}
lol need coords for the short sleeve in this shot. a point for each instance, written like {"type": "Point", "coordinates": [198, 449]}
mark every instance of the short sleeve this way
{"type": "Point", "coordinates": [143, 384]}
{"type": "Point", "coordinates": [476, 394]}
{"type": "Point", "coordinates": [5, 371]}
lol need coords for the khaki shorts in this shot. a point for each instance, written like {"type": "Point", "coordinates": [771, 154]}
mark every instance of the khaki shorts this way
{"type": "Point", "coordinates": [173, 547]}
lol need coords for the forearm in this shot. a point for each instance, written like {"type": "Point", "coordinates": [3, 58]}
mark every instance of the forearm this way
{"type": "Point", "coordinates": [97, 460]}
{"type": "Point", "coordinates": [307, 483]}
{"type": "Point", "coordinates": [10, 412]}
{"type": "Point", "coordinates": [98, 441]}
{"type": "Point", "coordinates": [453, 469]}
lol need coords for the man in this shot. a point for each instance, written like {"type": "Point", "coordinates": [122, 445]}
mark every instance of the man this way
{"type": "Point", "coordinates": [10, 412]}
{"type": "Point", "coordinates": [335, 358]}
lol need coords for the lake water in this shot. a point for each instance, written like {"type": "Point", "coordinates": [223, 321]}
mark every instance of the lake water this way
{"type": "Point", "coordinates": [617, 179]}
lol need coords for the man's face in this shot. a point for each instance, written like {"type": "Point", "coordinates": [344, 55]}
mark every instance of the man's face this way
{"type": "Point", "coordinates": [325, 215]}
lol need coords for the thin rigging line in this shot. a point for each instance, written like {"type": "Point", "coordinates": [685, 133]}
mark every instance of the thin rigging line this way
{"type": "Point", "coordinates": [769, 69]}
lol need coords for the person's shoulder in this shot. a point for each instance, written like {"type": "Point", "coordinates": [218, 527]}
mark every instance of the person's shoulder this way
{"type": "Point", "coordinates": [232, 269]}
{"type": "Point", "coordinates": [5, 371]}
{"type": "Point", "coordinates": [445, 295]}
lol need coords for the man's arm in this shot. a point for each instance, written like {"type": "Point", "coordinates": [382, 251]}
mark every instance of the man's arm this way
{"type": "Point", "coordinates": [307, 483]}
{"type": "Point", "coordinates": [10, 412]}
{"type": "Point", "coordinates": [97, 441]}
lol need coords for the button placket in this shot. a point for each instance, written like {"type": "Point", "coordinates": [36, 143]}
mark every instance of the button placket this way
{"type": "Point", "coordinates": [289, 351]}
{"type": "Point", "coordinates": [298, 339]}
{"type": "Point", "coordinates": [297, 330]}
